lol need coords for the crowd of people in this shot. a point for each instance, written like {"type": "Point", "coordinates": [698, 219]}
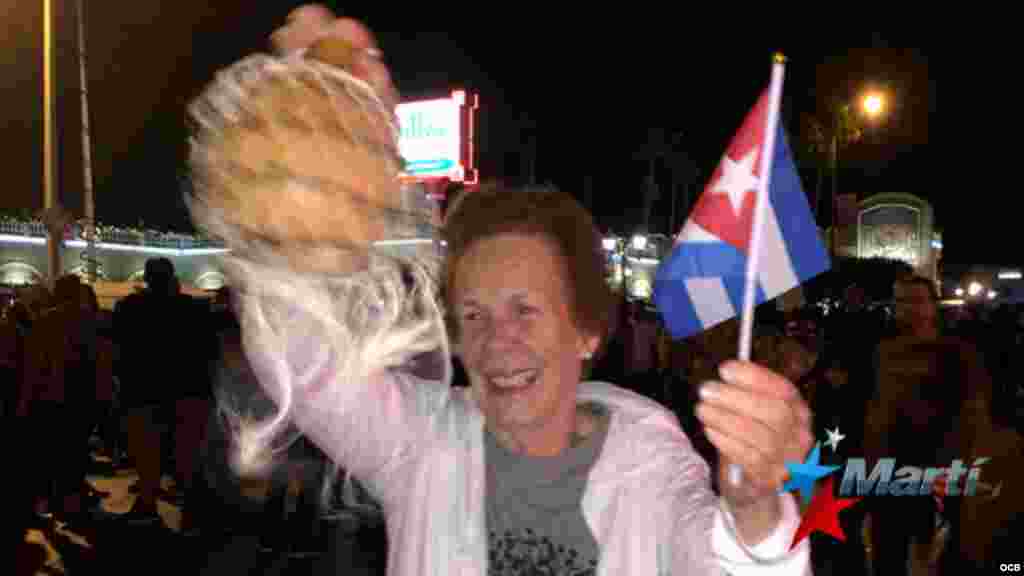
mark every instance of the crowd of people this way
{"type": "Point", "coordinates": [901, 378]}
{"type": "Point", "coordinates": [77, 372]}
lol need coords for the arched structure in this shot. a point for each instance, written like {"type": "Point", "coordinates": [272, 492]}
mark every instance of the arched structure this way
{"type": "Point", "coordinates": [210, 280]}
{"type": "Point", "coordinates": [18, 273]}
{"type": "Point", "coordinates": [899, 227]}
{"type": "Point", "coordinates": [82, 271]}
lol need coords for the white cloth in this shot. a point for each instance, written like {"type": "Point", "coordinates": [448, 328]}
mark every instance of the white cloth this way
{"type": "Point", "coordinates": [419, 447]}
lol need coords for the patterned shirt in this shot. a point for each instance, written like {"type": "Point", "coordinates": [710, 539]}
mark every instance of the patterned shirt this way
{"type": "Point", "coordinates": [535, 519]}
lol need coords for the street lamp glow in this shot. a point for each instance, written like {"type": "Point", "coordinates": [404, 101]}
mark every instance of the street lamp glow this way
{"type": "Point", "coordinates": [992, 294]}
{"type": "Point", "coordinates": [959, 292]}
{"type": "Point", "coordinates": [873, 104]}
{"type": "Point", "coordinates": [975, 288]}
{"type": "Point", "coordinates": [639, 242]}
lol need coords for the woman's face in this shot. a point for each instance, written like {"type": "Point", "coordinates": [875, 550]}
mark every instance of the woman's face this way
{"type": "Point", "coordinates": [517, 336]}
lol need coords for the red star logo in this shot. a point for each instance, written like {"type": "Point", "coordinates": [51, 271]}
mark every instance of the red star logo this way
{"type": "Point", "coordinates": [823, 515]}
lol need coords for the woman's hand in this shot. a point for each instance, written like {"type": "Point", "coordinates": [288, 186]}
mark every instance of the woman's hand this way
{"type": "Point", "coordinates": [758, 420]}
{"type": "Point", "coordinates": [313, 22]}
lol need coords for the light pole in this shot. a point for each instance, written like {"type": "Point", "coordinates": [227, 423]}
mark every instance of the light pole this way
{"type": "Point", "coordinates": [90, 205]}
{"type": "Point", "coordinates": [872, 105]}
{"type": "Point", "coordinates": [54, 235]}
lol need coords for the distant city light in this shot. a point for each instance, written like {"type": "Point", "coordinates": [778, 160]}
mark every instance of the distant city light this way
{"type": "Point", "coordinates": [404, 242]}
{"type": "Point", "coordinates": [35, 241]}
{"type": "Point", "coordinates": [975, 288]}
{"type": "Point", "coordinates": [648, 261]}
{"type": "Point", "coordinates": [13, 239]}
{"type": "Point", "coordinates": [959, 292]}
{"type": "Point", "coordinates": [1010, 275]}
{"type": "Point", "coordinates": [992, 294]}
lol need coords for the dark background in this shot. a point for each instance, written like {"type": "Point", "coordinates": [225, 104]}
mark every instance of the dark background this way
{"type": "Point", "coordinates": [585, 87]}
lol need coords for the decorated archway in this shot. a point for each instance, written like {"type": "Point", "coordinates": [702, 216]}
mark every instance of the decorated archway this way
{"type": "Point", "coordinates": [82, 271]}
{"type": "Point", "coordinates": [211, 280]}
{"type": "Point", "coordinates": [19, 274]}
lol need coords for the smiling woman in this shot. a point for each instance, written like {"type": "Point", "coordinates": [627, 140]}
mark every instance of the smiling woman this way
{"type": "Point", "coordinates": [530, 468]}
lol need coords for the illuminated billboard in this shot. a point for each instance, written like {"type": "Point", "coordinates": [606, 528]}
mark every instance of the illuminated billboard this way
{"type": "Point", "coordinates": [891, 231]}
{"type": "Point", "coordinates": [436, 138]}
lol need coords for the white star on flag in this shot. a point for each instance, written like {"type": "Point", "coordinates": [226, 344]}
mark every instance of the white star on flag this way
{"type": "Point", "coordinates": [833, 438]}
{"type": "Point", "coordinates": [737, 179]}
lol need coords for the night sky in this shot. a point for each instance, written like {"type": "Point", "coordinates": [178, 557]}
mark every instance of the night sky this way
{"type": "Point", "coordinates": [592, 86]}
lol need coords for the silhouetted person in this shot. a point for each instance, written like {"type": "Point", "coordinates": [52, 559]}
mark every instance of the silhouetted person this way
{"type": "Point", "coordinates": [152, 329]}
{"type": "Point", "coordinates": [57, 393]}
{"type": "Point", "coordinates": [931, 406]}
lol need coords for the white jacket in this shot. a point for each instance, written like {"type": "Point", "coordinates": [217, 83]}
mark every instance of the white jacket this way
{"type": "Point", "coordinates": [419, 448]}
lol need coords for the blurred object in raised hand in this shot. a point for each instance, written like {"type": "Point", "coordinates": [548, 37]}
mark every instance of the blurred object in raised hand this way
{"type": "Point", "coordinates": [296, 166]}
{"type": "Point", "coordinates": [295, 159]}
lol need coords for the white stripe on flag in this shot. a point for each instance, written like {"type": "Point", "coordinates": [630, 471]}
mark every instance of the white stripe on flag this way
{"type": "Point", "coordinates": [710, 300]}
{"type": "Point", "coordinates": [693, 232]}
{"type": "Point", "coordinates": [775, 268]}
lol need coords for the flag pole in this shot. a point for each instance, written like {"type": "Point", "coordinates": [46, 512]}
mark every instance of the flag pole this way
{"type": "Point", "coordinates": [760, 208]}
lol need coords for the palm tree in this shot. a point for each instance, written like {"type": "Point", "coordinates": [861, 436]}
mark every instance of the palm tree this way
{"type": "Point", "coordinates": [528, 147]}
{"type": "Point", "coordinates": [685, 176]}
{"type": "Point", "coordinates": [655, 149]}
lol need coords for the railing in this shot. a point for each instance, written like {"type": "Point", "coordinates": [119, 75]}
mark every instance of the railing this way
{"type": "Point", "coordinates": [14, 228]}
{"type": "Point", "coordinates": [35, 229]}
{"type": "Point", "coordinates": [156, 239]}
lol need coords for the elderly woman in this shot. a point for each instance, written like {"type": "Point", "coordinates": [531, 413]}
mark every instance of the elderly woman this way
{"type": "Point", "coordinates": [529, 469]}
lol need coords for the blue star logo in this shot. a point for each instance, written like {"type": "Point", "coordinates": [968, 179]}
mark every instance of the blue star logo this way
{"type": "Point", "coordinates": [804, 474]}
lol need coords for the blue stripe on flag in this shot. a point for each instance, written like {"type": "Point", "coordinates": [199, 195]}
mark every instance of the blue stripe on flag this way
{"type": "Point", "coordinates": [796, 222]}
{"type": "Point", "coordinates": [697, 260]}
{"type": "Point", "coordinates": [736, 285]}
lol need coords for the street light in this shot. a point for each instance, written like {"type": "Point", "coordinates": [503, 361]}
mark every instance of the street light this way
{"type": "Point", "coordinates": [975, 288]}
{"type": "Point", "coordinates": [873, 104]}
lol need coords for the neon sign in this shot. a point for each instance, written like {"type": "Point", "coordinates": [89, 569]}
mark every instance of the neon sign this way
{"type": "Point", "coordinates": [436, 138]}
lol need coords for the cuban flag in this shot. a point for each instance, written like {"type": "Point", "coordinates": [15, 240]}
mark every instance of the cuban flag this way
{"type": "Point", "coordinates": [701, 283]}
